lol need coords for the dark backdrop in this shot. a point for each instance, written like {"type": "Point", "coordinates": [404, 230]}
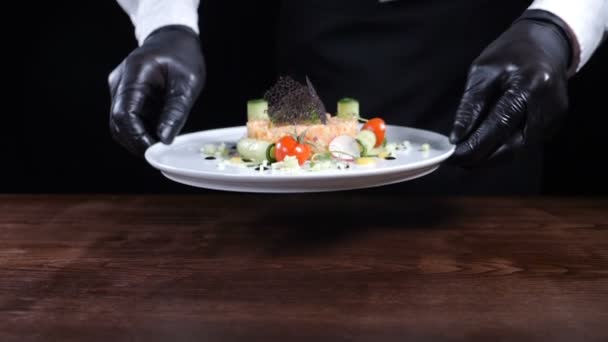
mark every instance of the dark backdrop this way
{"type": "Point", "coordinates": [62, 143]}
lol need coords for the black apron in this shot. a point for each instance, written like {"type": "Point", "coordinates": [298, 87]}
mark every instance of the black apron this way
{"type": "Point", "coordinates": [406, 61]}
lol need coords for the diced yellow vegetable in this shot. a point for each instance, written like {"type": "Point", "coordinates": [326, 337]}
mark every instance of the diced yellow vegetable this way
{"type": "Point", "coordinates": [365, 161]}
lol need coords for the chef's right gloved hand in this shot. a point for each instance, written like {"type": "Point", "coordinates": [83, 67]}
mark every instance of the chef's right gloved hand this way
{"type": "Point", "coordinates": [155, 87]}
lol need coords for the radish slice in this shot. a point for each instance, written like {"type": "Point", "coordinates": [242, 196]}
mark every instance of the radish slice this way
{"type": "Point", "coordinates": [344, 147]}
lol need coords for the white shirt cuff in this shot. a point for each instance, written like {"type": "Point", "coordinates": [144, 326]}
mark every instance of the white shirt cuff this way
{"type": "Point", "coordinates": [149, 15]}
{"type": "Point", "coordinates": [588, 20]}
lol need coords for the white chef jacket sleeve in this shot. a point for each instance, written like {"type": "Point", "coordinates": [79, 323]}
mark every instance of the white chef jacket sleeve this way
{"type": "Point", "coordinates": [587, 20]}
{"type": "Point", "coordinates": [148, 15]}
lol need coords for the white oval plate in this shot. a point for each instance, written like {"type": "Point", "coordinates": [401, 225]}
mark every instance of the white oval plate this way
{"type": "Point", "coordinates": [182, 162]}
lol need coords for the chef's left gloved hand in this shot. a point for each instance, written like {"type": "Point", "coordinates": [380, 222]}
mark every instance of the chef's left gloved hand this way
{"type": "Point", "coordinates": [516, 91]}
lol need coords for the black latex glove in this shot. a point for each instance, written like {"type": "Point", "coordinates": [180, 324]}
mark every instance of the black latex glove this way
{"type": "Point", "coordinates": [155, 87]}
{"type": "Point", "coordinates": [516, 91]}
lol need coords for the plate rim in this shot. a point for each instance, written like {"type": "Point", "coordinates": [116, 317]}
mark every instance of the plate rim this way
{"type": "Point", "coordinates": [218, 175]}
{"type": "Point", "coordinates": [260, 188]}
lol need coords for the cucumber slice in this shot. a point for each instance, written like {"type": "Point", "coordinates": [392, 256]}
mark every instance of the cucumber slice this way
{"type": "Point", "coordinates": [270, 154]}
{"type": "Point", "coordinates": [253, 149]}
{"type": "Point", "coordinates": [367, 139]}
{"type": "Point", "coordinates": [257, 110]}
{"type": "Point", "coordinates": [374, 152]}
{"type": "Point", "coordinates": [348, 108]}
{"type": "Point", "coordinates": [362, 148]}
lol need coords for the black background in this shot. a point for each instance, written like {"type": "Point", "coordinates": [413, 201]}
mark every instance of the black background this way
{"type": "Point", "coordinates": [62, 142]}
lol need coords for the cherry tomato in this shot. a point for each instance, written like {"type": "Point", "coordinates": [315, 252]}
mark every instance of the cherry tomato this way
{"type": "Point", "coordinates": [377, 126]}
{"type": "Point", "coordinates": [288, 146]}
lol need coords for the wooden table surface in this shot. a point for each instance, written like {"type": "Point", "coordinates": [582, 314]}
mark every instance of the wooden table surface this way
{"type": "Point", "coordinates": [333, 267]}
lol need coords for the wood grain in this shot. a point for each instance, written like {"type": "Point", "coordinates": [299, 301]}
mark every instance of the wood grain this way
{"type": "Point", "coordinates": [333, 267]}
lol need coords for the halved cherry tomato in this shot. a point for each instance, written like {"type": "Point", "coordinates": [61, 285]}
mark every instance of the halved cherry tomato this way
{"type": "Point", "coordinates": [288, 146]}
{"type": "Point", "coordinates": [377, 126]}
